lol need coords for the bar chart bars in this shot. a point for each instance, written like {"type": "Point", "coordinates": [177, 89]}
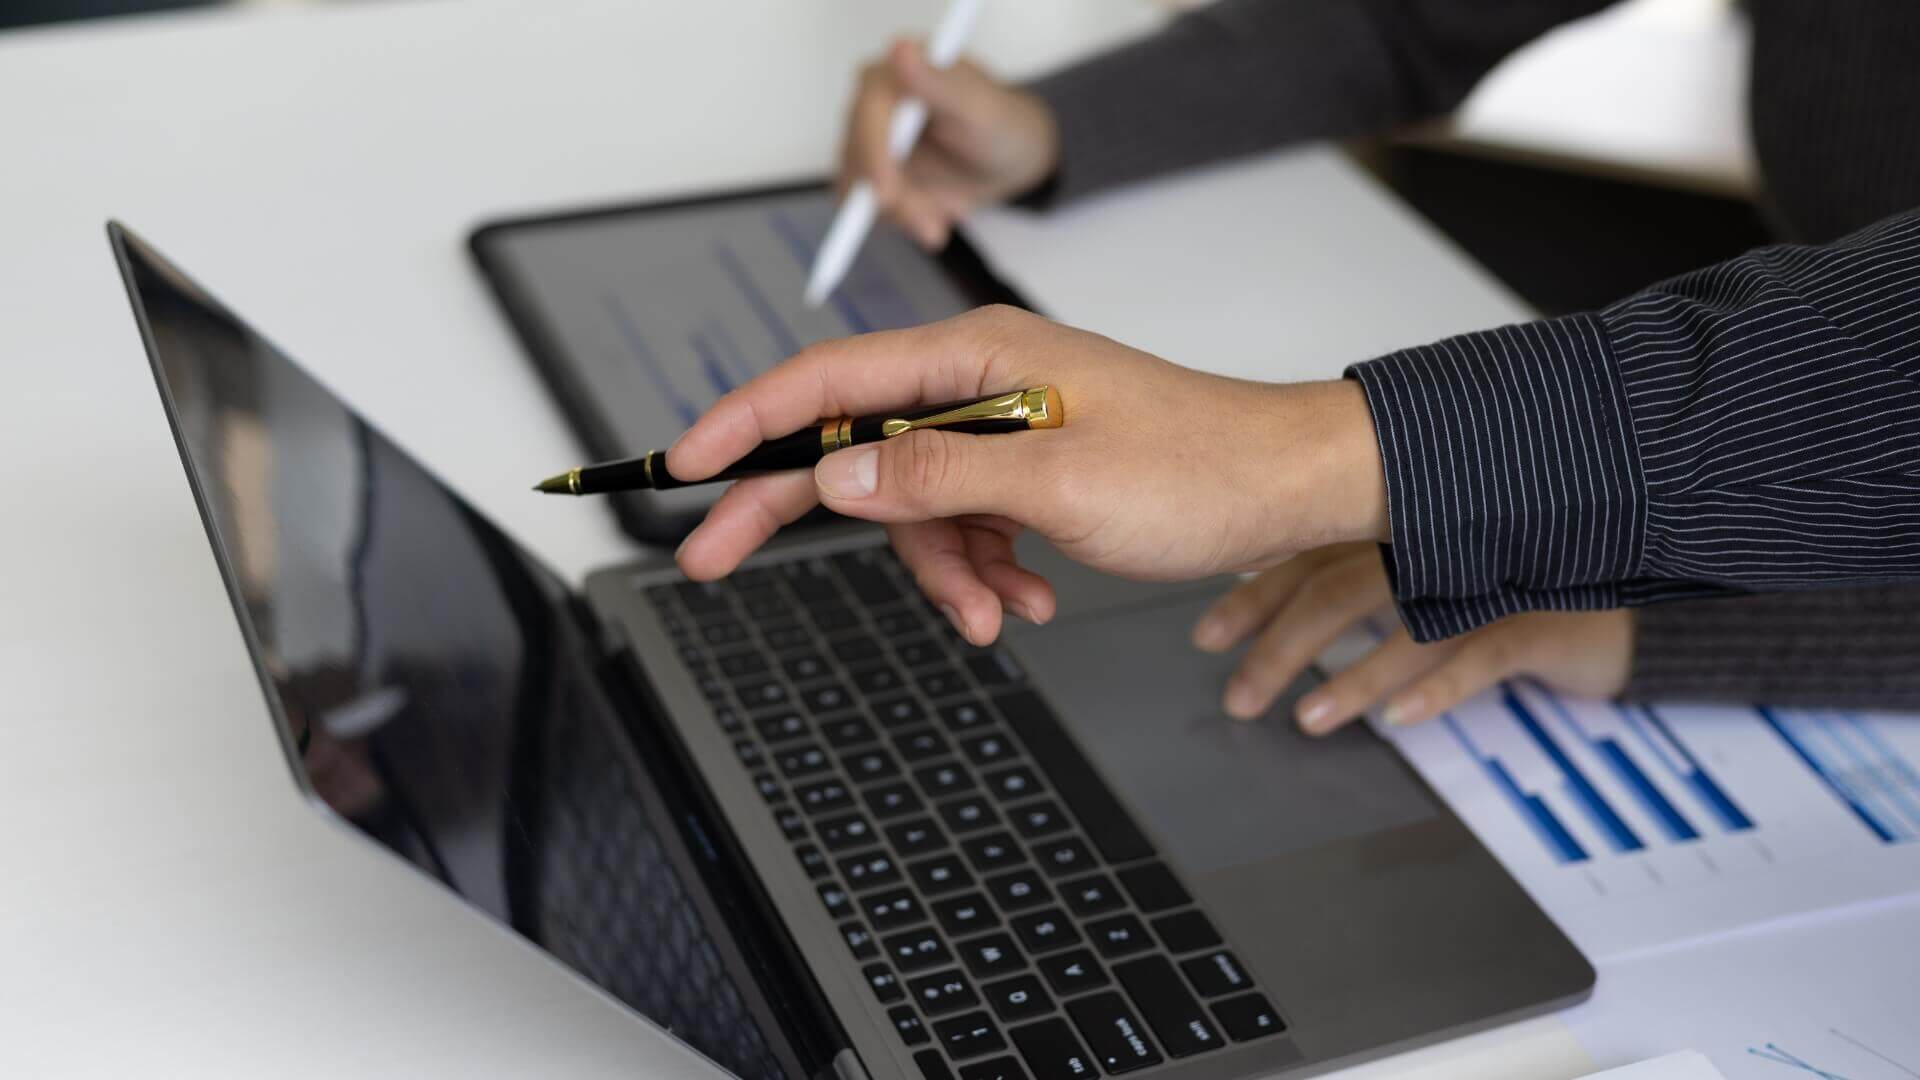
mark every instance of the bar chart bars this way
{"type": "Point", "coordinates": [1859, 765]}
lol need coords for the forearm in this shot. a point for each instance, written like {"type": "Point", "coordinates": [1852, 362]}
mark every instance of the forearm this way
{"type": "Point", "coordinates": [1754, 426]}
{"type": "Point", "coordinates": [1830, 648]}
{"type": "Point", "coordinates": [1238, 76]}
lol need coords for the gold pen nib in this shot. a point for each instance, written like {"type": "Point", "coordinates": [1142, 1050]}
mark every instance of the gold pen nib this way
{"type": "Point", "coordinates": [567, 483]}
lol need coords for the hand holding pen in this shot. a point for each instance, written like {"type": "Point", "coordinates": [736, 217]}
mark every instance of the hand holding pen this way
{"type": "Point", "coordinates": [1160, 473]}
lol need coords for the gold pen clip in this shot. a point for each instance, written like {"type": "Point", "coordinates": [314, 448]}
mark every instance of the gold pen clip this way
{"type": "Point", "coordinates": [1040, 407]}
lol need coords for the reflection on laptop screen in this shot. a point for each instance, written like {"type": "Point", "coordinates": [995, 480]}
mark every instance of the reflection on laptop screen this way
{"type": "Point", "coordinates": [431, 682]}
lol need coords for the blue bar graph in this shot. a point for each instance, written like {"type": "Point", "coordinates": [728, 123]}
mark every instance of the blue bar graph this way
{"type": "Point", "coordinates": [1835, 779]}
{"type": "Point", "coordinates": [1902, 781]}
{"type": "Point", "coordinates": [710, 365]}
{"type": "Point", "coordinates": [1645, 722]}
{"type": "Point", "coordinates": [1538, 816]}
{"type": "Point", "coordinates": [802, 249]}
{"type": "Point", "coordinates": [649, 363]}
{"type": "Point", "coordinates": [783, 339]}
{"type": "Point", "coordinates": [1620, 836]}
{"type": "Point", "coordinates": [1676, 827]}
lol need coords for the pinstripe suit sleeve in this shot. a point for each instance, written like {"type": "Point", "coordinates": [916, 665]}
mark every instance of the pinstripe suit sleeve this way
{"type": "Point", "coordinates": [1754, 426]}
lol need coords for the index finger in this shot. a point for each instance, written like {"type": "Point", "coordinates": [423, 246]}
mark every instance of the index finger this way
{"type": "Point", "coordinates": [843, 377]}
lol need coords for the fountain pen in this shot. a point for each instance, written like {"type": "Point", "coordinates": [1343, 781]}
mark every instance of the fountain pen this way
{"type": "Point", "coordinates": [1021, 410]}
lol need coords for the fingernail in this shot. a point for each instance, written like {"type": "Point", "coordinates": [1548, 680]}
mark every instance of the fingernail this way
{"type": "Point", "coordinates": [1404, 711]}
{"type": "Point", "coordinates": [1024, 612]}
{"type": "Point", "coordinates": [1242, 702]}
{"type": "Point", "coordinates": [1210, 632]}
{"type": "Point", "coordinates": [1314, 711]}
{"type": "Point", "coordinates": [849, 474]}
{"type": "Point", "coordinates": [953, 616]}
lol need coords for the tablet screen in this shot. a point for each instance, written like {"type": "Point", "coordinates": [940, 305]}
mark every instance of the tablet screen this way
{"type": "Point", "coordinates": [656, 311]}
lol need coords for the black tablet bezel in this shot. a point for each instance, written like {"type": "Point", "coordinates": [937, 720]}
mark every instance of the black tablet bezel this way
{"type": "Point", "coordinates": [637, 512]}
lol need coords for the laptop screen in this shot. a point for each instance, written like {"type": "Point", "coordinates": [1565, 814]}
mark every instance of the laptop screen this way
{"type": "Point", "coordinates": [431, 683]}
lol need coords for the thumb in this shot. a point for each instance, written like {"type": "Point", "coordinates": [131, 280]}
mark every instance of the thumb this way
{"type": "Point", "coordinates": [962, 89]}
{"type": "Point", "coordinates": [924, 475]}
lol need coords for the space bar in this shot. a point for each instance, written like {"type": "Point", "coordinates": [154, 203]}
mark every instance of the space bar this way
{"type": "Point", "coordinates": [1106, 822]}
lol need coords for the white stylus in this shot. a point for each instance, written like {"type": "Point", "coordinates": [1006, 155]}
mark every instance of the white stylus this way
{"type": "Point", "coordinates": [855, 219]}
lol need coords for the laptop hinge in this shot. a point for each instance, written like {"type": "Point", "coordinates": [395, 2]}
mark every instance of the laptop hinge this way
{"type": "Point", "coordinates": [845, 1066]}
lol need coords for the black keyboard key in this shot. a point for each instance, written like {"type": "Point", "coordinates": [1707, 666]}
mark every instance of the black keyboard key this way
{"type": "Point", "coordinates": [898, 712]}
{"type": "Point", "coordinates": [826, 698]}
{"type": "Point", "coordinates": [876, 680]}
{"type": "Point", "coordinates": [702, 597]}
{"type": "Point", "coordinates": [966, 914]}
{"type": "Point", "coordinates": [932, 1065]}
{"type": "Point", "coordinates": [1000, 1068]}
{"type": "Point", "coordinates": [720, 634]}
{"type": "Point", "coordinates": [860, 940]}
{"type": "Point", "coordinates": [969, 814]}
{"type": "Point", "coordinates": [993, 851]}
{"type": "Point", "coordinates": [1118, 936]}
{"type": "Point", "coordinates": [1185, 932]}
{"type": "Point", "coordinates": [833, 618]}
{"type": "Point", "coordinates": [1022, 889]}
{"type": "Point", "coordinates": [1248, 1017]}
{"type": "Point", "coordinates": [845, 832]}
{"type": "Point", "coordinates": [884, 983]}
{"type": "Point", "coordinates": [740, 665]}
{"type": "Point", "coordinates": [812, 860]}
{"type": "Point", "coordinates": [854, 648]}
{"type": "Point", "coordinates": [994, 668]}
{"type": "Point", "coordinates": [781, 726]}
{"type": "Point", "coordinates": [1216, 974]}
{"type": "Point", "coordinates": [749, 753]}
{"type": "Point", "coordinates": [1154, 888]}
{"type": "Point", "coordinates": [892, 909]}
{"type": "Point", "coordinates": [986, 749]}
{"type": "Point", "coordinates": [1091, 895]}
{"type": "Point", "coordinates": [940, 874]}
{"type": "Point", "coordinates": [805, 667]}
{"type": "Point", "coordinates": [802, 760]}
{"type": "Point", "coordinates": [939, 781]}
{"type": "Point", "coordinates": [1175, 1016]}
{"type": "Point", "coordinates": [942, 993]}
{"type": "Point", "coordinates": [768, 787]}
{"type": "Point", "coordinates": [1045, 931]}
{"type": "Point", "coordinates": [752, 577]}
{"type": "Point", "coordinates": [920, 744]}
{"type": "Point", "coordinates": [1072, 972]}
{"type": "Point", "coordinates": [1039, 819]}
{"type": "Point", "coordinates": [963, 716]}
{"type": "Point", "coordinates": [898, 624]}
{"type": "Point", "coordinates": [919, 652]}
{"type": "Point", "coordinates": [728, 719]}
{"type": "Point", "coordinates": [1018, 998]}
{"type": "Point", "coordinates": [1061, 857]}
{"type": "Point", "coordinates": [916, 837]}
{"type": "Point", "coordinates": [940, 682]}
{"type": "Point", "coordinates": [809, 579]}
{"type": "Point", "coordinates": [1093, 803]}
{"type": "Point", "coordinates": [864, 571]}
{"type": "Point", "coordinates": [839, 902]}
{"type": "Point", "coordinates": [868, 871]}
{"type": "Point", "coordinates": [1052, 1051]}
{"type": "Point", "coordinates": [969, 1036]}
{"type": "Point", "coordinates": [785, 636]}
{"type": "Point", "coordinates": [793, 824]}
{"type": "Point", "coordinates": [911, 1030]}
{"type": "Point", "coordinates": [765, 604]}
{"type": "Point", "coordinates": [847, 731]}
{"type": "Point", "coordinates": [991, 956]}
{"type": "Point", "coordinates": [823, 796]}
{"type": "Point", "coordinates": [867, 766]}
{"type": "Point", "coordinates": [1113, 1033]}
{"type": "Point", "coordinates": [761, 693]}
{"type": "Point", "coordinates": [916, 950]}
{"type": "Point", "coordinates": [1010, 784]}
{"type": "Point", "coordinates": [891, 800]}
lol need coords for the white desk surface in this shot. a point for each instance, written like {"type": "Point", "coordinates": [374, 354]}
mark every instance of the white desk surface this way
{"type": "Point", "coordinates": [170, 906]}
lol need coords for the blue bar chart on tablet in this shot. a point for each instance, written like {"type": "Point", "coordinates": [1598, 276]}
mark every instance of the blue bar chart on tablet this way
{"type": "Point", "coordinates": [1640, 825]}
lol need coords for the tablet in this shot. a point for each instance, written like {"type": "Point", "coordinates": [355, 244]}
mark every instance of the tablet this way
{"type": "Point", "coordinates": [639, 317]}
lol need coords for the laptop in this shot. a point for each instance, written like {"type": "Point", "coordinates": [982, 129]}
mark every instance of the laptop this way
{"type": "Point", "coordinates": [793, 820]}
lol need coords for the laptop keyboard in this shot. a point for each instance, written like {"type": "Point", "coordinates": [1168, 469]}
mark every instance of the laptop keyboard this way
{"type": "Point", "coordinates": [1008, 914]}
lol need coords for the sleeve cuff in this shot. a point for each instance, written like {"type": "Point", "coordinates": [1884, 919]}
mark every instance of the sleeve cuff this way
{"type": "Point", "coordinates": [1513, 479]}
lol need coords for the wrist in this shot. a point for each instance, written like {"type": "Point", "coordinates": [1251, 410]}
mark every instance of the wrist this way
{"type": "Point", "coordinates": [1317, 469]}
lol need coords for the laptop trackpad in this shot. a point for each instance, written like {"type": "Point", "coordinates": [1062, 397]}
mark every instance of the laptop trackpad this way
{"type": "Point", "coordinates": [1216, 792]}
